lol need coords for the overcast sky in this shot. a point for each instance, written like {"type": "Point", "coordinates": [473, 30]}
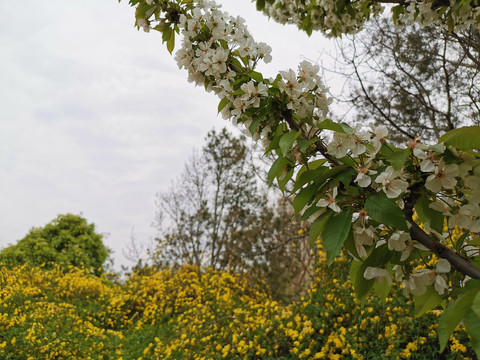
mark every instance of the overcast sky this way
{"type": "Point", "coordinates": [95, 116]}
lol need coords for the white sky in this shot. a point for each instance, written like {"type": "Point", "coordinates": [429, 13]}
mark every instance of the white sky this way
{"type": "Point", "coordinates": [95, 116]}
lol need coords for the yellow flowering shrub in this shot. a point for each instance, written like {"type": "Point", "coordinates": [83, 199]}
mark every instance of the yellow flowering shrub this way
{"type": "Point", "coordinates": [207, 314]}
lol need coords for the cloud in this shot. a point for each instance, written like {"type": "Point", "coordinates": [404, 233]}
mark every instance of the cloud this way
{"type": "Point", "coordinates": [96, 117]}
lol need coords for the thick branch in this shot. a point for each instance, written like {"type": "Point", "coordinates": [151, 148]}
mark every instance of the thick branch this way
{"type": "Point", "coordinates": [438, 249]}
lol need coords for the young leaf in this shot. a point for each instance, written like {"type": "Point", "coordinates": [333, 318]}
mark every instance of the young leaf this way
{"type": "Point", "coordinates": [318, 226]}
{"type": "Point", "coordinates": [284, 180]}
{"type": "Point", "coordinates": [361, 285]}
{"type": "Point", "coordinates": [171, 42]}
{"type": "Point", "coordinates": [287, 140]}
{"type": "Point", "coordinates": [428, 301]}
{"type": "Point", "coordinates": [303, 144]}
{"type": "Point", "coordinates": [345, 177]}
{"type": "Point", "coordinates": [307, 176]}
{"type": "Point", "coordinates": [256, 76]}
{"type": "Point", "coordinates": [331, 125]}
{"type": "Point", "coordinates": [472, 323]}
{"type": "Point", "coordinates": [260, 5]}
{"type": "Point", "coordinates": [386, 211]}
{"type": "Point", "coordinates": [277, 166]}
{"type": "Point", "coordinates": [452, 316]}
{"type": "Point", "coordinates": [304, 197]}
{"type": "Point", "coordinates": [382, 289]}
{"type": "Point", "coordinates": [464, 138]}
{"type": "Point", "coordinates": [335, 233]}
{"type": "Point", "coordinates": [398, 158]}
{"type": "Point", "coordinates": [222, 104]}
{"type": "Point", "coordinates": [428, 215]}
{"type": "Point", "coordinates": [167, 33]}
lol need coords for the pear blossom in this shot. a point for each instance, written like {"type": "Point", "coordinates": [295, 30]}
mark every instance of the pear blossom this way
{"type": "Point", "coordinates": [444, 177]}
{"type": "Point", "coordinates": [341, 145]}
{"type": "Point", "coordinates": [330, 201]}
{"type": "Point", "coordinates": [363, 236]}
{"type": "Point", "coordinates": [417, 283]}
{"type": "Point", "coordinates": [378, 274]}
{"type": "Point", "coordinates": [392, 183]}
{"type": "Point", "coordinates": [443, 267]}
{"type": "Point", "coordinates": [398, 241]}
{"type": "Point", "coordinates": [362, 178]}
{"type": "Point", "coordinates": [428, 163]}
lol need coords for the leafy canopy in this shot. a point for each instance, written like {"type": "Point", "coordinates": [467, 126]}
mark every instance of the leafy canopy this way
{"type": "Point", "coordinates": [68, 240]}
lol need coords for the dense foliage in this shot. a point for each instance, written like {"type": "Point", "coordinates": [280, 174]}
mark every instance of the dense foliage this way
{"type": "Point", "coordinates": [207, 314]}
{"type": "Point", "coordinates": [67, 240]}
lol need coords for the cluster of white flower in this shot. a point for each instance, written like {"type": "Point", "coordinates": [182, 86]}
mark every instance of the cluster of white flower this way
{"type": "Point", "coordinates": [443, 179]}
{"type": "Point", "coordinates": [417, 282]}
{"type": "Point", "coordinates": [307, 96]}
{"type": "Point", "coordinates": [323, 15]}
{"type": "Point", "coordinates": [429, 13]}
{"type": "Point", "coordinates": [212, 39]}
{"type": "Point", "coordinates": [328, 17]}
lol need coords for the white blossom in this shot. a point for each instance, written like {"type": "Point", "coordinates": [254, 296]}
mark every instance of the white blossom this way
{"type": "Point", "coordinates": [444, 177]}
{"type": "Point", "coordinates": [392, 183]}
{"type": "Point", "coordinates": [330, 201]}
{"type": "Point", "coordinates": [378, 274]}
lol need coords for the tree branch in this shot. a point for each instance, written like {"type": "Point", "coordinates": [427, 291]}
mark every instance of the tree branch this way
{"type": "Point", "coordinates": [438, 249]}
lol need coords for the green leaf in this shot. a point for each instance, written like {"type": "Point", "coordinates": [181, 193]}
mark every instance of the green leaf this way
{"type": "Point", "coordinates": [452, 316]}
{"type": "Point", "coordinates": [382, 289]}
{"type": "Point", "coordinates": [307, 176]}
{"type": "Point", "coordinates": [328, 124]}
{"type": "Point", "coordinates": [284, 180]}
{"type": "Point", "coordinates": [237, 64]}
{"type": "Point", "coordinates": [167, 33]}
{"type": "Point", "coordinates": [240, 81]}
{"type": "Point", "coordinates": [310, 211]}
{"type": "Point", "coordinates": [350, 245]}
{"type": "Point", "coordinates": [335, 233]}
{"type": "Point", "coordinates": [361, 285]}
{"type": "Point", "coordinates": [260, 5]}
{"type": "Point", "coordinates": [303, 144]}
{"type": "Point", "coordinates": [386, 211]}
{"type": "Point", "coordinates": [398, 158]}
{"type": "Point", "coordinates": [287, 140]}
{"type": "Point", "coordinates": [254, 125]}
{"type": "Point", "coordinates": [273, 91]}
{"type": "Point", "coordinates": [428, 215]}
{"type": "Point", "coordinates": [345, 177]}
{"type": "Point", "coordinates": [256, 76]}
{"type": "Point", "coordinates": [171, 42]}
{"type": "Point", "coordinates": [428, 301]}
{"type": "Point", "coordinates": [222, 104]}
{"type": "Point", "coordinates": [464, 138]}
{"type": "Point", "coordinates": [304, 197]}
{"type": "Point", "coordinates": [460, 241]}
{"type": "Point", "coordinates": [476, 304]}
{"type": "Point", "coordinates": [318, 226]}
{"type": "Point", "coordinates": [472, 324]}
{"type": "Point", "coordinates": [277, 166]}
{"type": "Point", "coordinates": [223, 43]}
{"type": "Point", "coordinates": [330, 173]}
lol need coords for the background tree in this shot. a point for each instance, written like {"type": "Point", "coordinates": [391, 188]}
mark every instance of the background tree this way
{"type": "Point", "coordinates": [218, 214]}
{"type": "Point", "coordinates": [67, 240]}
{"type": "Point", "coordinates": [416, 81]}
